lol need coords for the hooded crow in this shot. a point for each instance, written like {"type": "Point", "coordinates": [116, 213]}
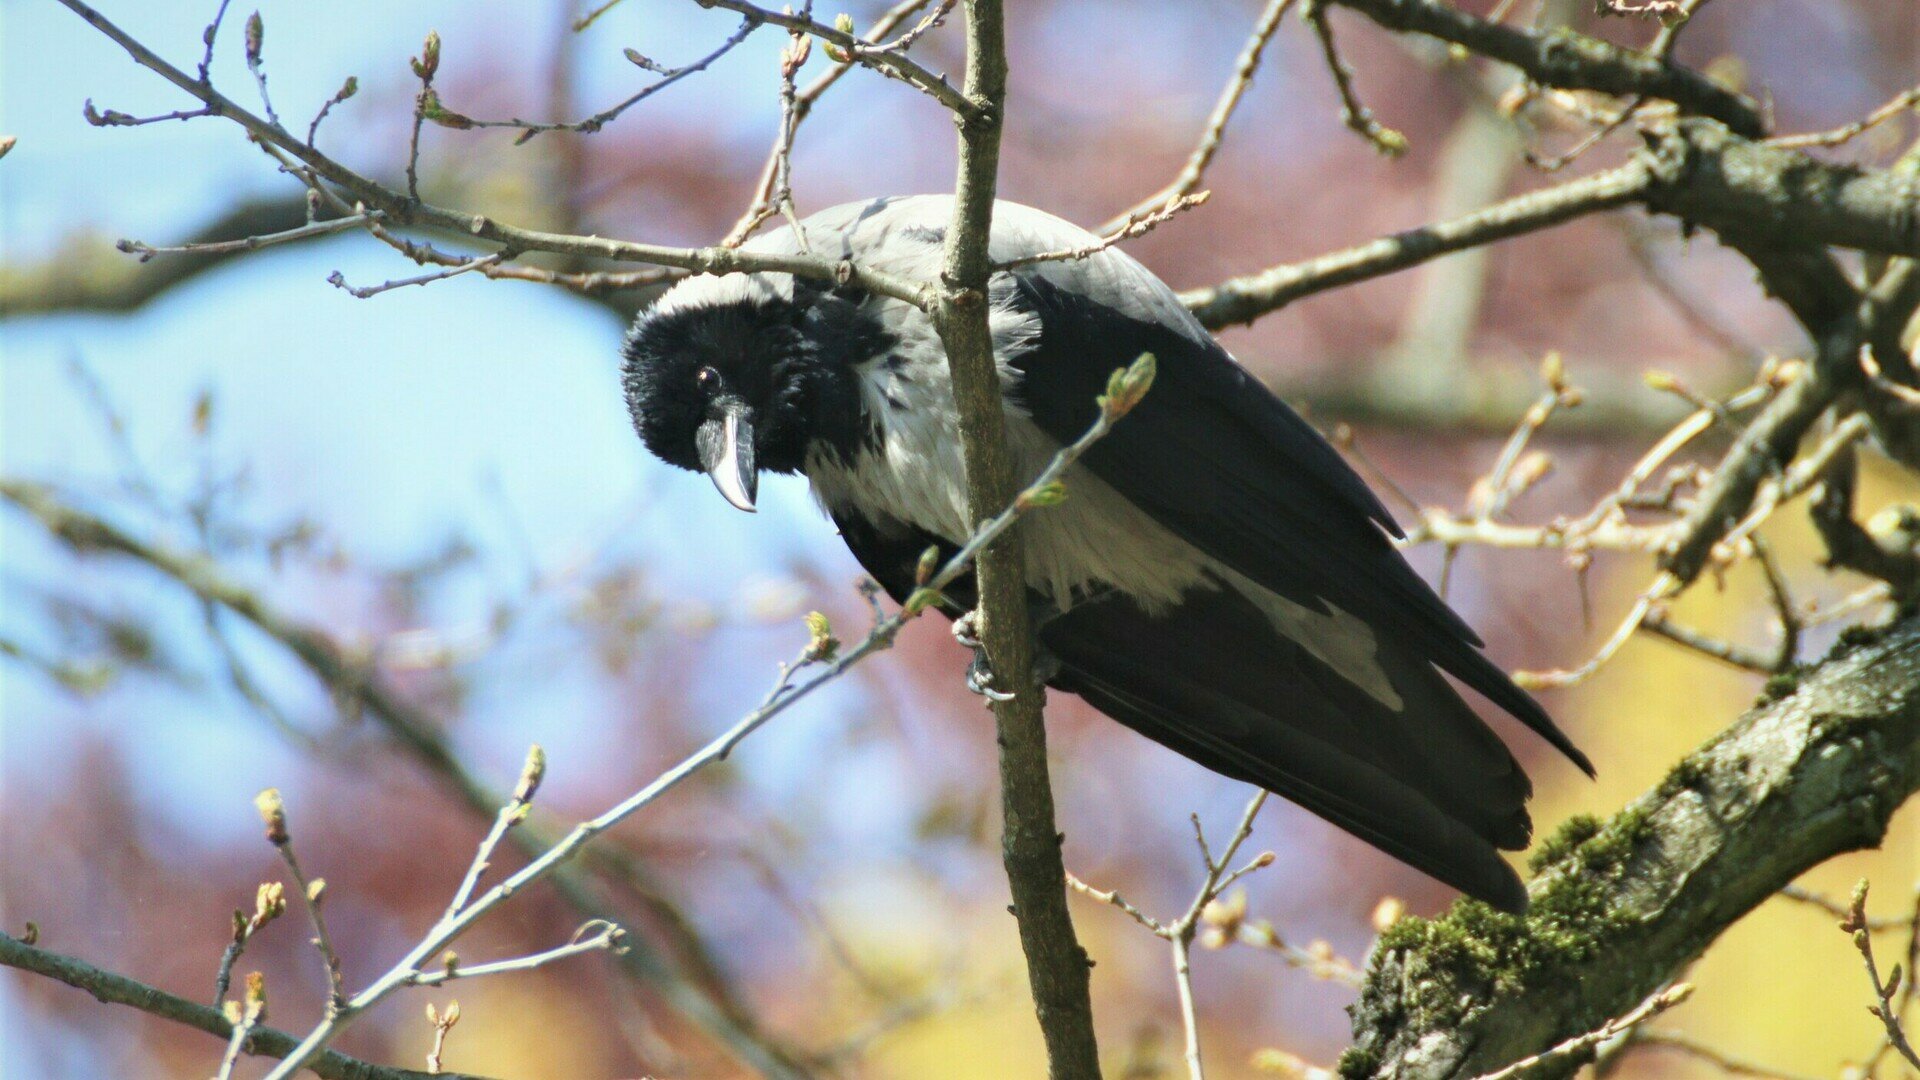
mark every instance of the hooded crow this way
{"type": "Point", "coordinates": [1218, 578]}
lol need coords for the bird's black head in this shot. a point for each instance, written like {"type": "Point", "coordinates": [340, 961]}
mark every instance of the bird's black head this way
{"type": "Point", "coordinates": [730, 376]}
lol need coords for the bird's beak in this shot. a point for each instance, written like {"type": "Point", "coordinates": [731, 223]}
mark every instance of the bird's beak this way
{"type": "Point", "coordinates": [725, 444]}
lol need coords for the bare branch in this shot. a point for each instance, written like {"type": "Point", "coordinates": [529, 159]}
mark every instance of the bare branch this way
{"type": "Point", "coordinates": [886, 59]}
{"type": "Point", "coordinates": [339, 281]}
{"type": "Point", "coordinates": [1135, 226]}
{"type": "Point", "coordinates": [115, 989]}
{"type": "Point", "coordinates": [1681, 1042]}
{"type": "Point", "coordinates": [407, 210]}
{"type": "Point", "coordinates": [1352, 113]}
{"type": "Point", "coordinates": [249, 243]}
{"type": "Point", "coordinates": [1581, 1047]}
{"type": "Point", "coordinates": [1057, 966]}
{"type": "Point", "coordinates": [1244, 299]}
{"type": "Point", "coordinates": [1195, 169]}
{"type": "Point", "coordinates": [1889, 1000]}
{"type": "Point", "coordinates": [1901, 102]}
{"type": "Point", "coordinates": [1570, 61]}
{"type": "Point", "coordinates": [601, 119]}
{"type": "Point", "coordinates": [705, 998]}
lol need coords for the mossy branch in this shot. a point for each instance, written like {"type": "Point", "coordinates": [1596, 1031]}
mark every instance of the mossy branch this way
{"type": "Point", "coordinates": [1620, 907]}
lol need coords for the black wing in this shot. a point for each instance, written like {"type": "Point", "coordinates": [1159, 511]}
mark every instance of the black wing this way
{"type": "Point", "coordinates": [1217, 458]}
{"type": "Point", "coordinates": [1427, 783]}
{"type": "Point", "coordinates": [1212, 680]}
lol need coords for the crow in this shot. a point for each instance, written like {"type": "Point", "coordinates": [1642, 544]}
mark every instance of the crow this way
{"type": "Point", "coordinates": [1218, 579]}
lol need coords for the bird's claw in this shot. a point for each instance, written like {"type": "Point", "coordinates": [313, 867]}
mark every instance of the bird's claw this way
{"type": "Point", "coordinates": [963, 630]}
{"type": "Point", "coordinates": [980, 677]}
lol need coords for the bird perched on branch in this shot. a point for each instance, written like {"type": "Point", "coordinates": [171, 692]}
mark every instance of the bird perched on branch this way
{"type": "Point", "coordinates": [1218, 579]}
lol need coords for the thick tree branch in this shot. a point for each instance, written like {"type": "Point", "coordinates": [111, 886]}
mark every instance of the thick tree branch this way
{"type": "Point", "coordinates": [1778, 206]}
{"type": "Point", "coordinates": [1709, 174]}
{"type": "Point", "coordinates": [1620, 909]}
{"type": "Point", "coordinates": [1567, 60]}
{"type": "Point", "coordinates": [1057, 966]}
{"type": "Point", "coordinates": [115, 989]}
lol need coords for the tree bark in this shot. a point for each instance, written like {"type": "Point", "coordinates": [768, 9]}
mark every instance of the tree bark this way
{"type": "Point", "coordinates": [1619, 909]}
{"type": "Point", "coordinates": [1057, 966]}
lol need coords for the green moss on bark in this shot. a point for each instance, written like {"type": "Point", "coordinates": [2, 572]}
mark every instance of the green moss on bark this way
{"type": "Point", "coordinates": [1454, 961]}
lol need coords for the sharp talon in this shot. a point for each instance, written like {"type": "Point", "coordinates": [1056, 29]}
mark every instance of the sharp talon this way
{"type": "Point", "coordinates": [980, 673]}
{"type": "Point", "coordinates": [963, 631]}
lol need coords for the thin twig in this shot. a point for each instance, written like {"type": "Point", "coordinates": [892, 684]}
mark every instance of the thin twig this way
{"type": "Point", "coordinates": [1902, 102]}
{"type": "Point", "coordinates": [1581, 1047]}
{"type": "Point", "coordinates": [1788, 612]}
{"type": "Point", "coordinates": [886, 61]}
{"type": "Point", "coordinates": [251, 243]}
{"type": "Point", "coordinates": [1888, 1002]}
{"type": "Point", "coordinates": [115, 118]}
{"type": "Point", "coordinates": [1665, 587]}
{"type": "Point", "coordinates": [1727, 652]}
{"type": "Point", "coordinates": [269, 903]}
{"type": "Point", "coordinates": [116, 989]}
{"type": "Point", "coordinates": [591, 124]}
{"type": "Point", "coordinates": [762, 206]}
{"type": "Point", "coordinates": [1243, 299]}
{"type": "Point", "coordinates": [1800, 894]}
{"type": "Point", "coordinates": [1352, 113]}
{"type": "Point", "coordinates": [1219, 876]}
{"type": "Point", "coordinates": [791, 59]}
{"type": "Point", "coordinates": [256, 31]}
{"type": "Point", "coordinates": [339, 281]}
{"type": "Point", "coordinates": [207, 37]}
{"type": "Point", "coordinates": [1135, 226]}
{"type": "Point", "coordinates": [599, 936]}
{"type": "Point", "coordinates": [1195, 169]}
{"type": "Point", "coordinates": [347, 90]}
{"type": "Point", "coordinates": [425, 67]}
{"type": "Point", "coordinates": [273, 813]}
{"type": "Point", "coordinates": [442, 1024]}
{"type": "Point", "coordinates": [245, 1016]}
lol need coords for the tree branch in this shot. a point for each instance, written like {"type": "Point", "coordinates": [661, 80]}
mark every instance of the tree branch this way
{"type": "Point", "coordinates": [1243, 299]}
{"type": "Point", "coordinates": [704, 998]}
{"type": "Point", "coordinates": [1778, 205]}
{"type": "Point", "coordinates": [115, 989]}
{"type": "Point", "coordinates": [1569, 61]}
{"type": "Point", "coordinates": [1709, 174]}
{"type": "Point", "coordinates": [1057, 966]}
{"type": "Point", "coordinates": [1619, 910]}
{"type": "Point", "coordinates": [404, 209]}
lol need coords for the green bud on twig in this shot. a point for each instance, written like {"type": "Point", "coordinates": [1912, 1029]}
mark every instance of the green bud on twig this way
{"type": "Point", "coordinates": [1128, 385]}
{"type": "Point", "coordinates": [273, 812]}
{"type": "Point", "coordinates": [531, 773]}
{"type": "Point", "coordinates": [428, 62]}
{"type": "Point", "coordinates": [821, 644]}
{"type": "Point", "coordinates": [1051, 493]}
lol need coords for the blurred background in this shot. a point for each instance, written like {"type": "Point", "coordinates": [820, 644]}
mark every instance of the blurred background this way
{"type": "Point", "coordinates": [445, 480]}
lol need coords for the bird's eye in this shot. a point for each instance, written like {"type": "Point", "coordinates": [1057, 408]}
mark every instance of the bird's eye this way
{"type": "Point", "coordinates": [707, 379]}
